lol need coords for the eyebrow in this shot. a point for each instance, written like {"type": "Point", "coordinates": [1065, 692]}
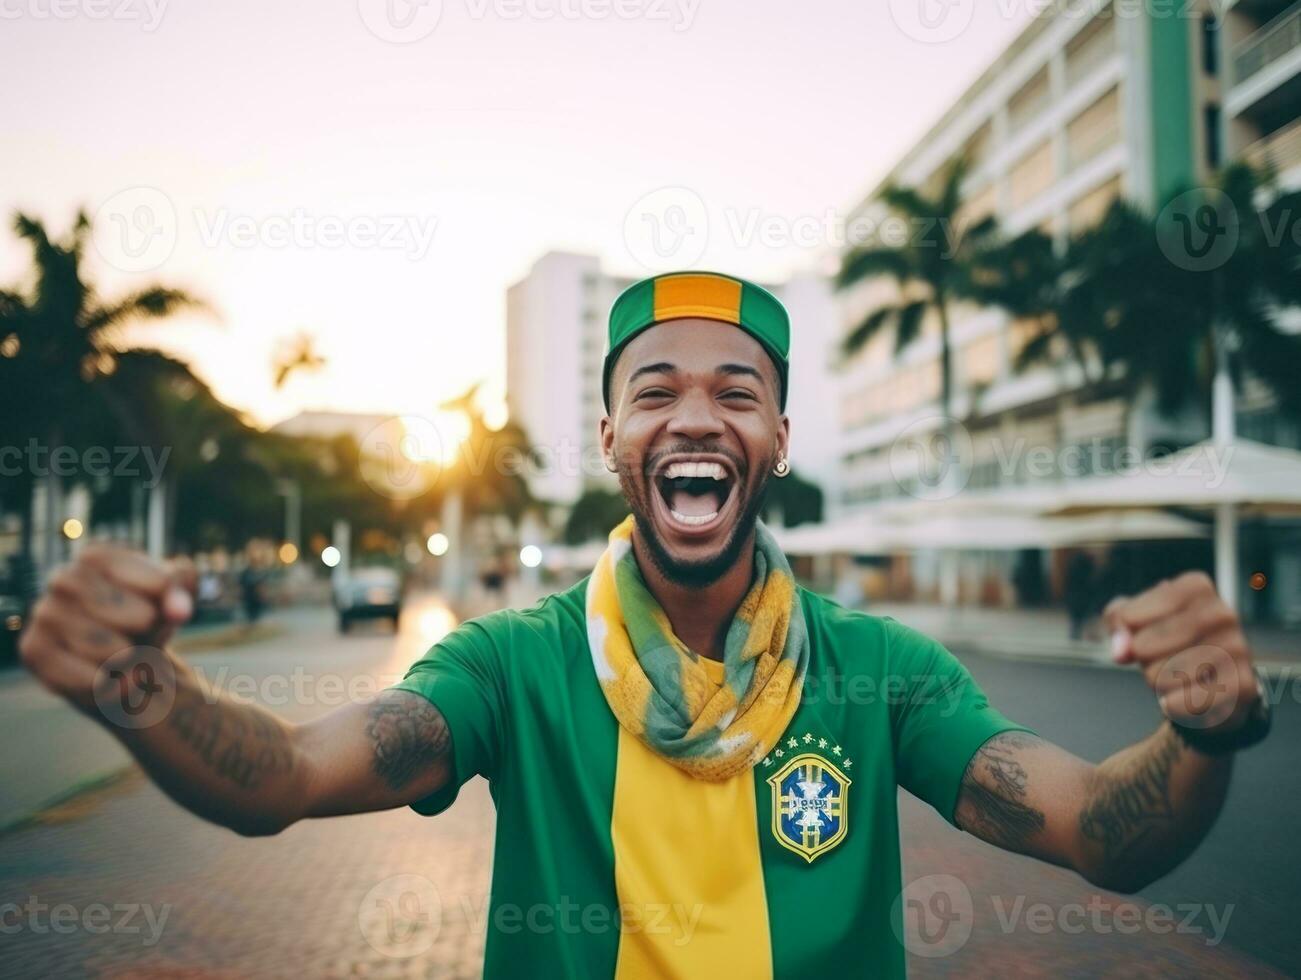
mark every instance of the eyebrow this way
{"type": "Point", "coordinates": [744, 369]}
{"type": "Point", "coordinates": [660, 367]}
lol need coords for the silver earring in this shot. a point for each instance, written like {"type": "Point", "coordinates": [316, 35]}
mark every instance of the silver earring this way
{"type": "Point", "coordinates": [782, 468]}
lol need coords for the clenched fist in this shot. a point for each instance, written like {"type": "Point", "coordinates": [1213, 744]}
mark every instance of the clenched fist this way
{"type": "Point", "coordinates": [1191, 649]}
{"type": "Point", "coordinates": [108, 605]}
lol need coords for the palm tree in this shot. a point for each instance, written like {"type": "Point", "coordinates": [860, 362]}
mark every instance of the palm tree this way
{"type": "Point", "coordinates": [932, 269]}
{"type": "Point", "coordinates": [295, 355]}
{"type": "Point", "coordinates": [1125, 295]}
{"type": "Point", "coordinates": [59, 339]}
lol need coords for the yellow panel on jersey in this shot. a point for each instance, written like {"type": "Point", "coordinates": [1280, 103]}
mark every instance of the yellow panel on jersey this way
{"type": "Point", "coordinates": [688, 872]}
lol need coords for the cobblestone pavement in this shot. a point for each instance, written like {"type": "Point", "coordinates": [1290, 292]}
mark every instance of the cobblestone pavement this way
{"type": "Point", "coordinates": [325, 899]}
{"type": "Point", "coordinates": [122, 883]}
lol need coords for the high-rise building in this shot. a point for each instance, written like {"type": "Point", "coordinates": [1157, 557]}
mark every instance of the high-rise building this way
{"type": "Point", "coordinates": [555, 345]}
{"type": "Point", "coordinates": [1092, 102]}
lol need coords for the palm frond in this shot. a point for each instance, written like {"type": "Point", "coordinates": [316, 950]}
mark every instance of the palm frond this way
{"type": "Point", "coordinates": [873, 262]}
{"type": "Point", "coordinates": [858, 337]}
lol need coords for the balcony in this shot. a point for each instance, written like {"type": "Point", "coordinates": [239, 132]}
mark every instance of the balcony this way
{"type": "Point", "coordinates": [1279, 151]}
{"type": "Point", "coordinates": [1277, 39]}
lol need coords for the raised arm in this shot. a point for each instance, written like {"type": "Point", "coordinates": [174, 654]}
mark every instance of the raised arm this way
{"type": "Point", "coordinates": [99, 638]}
{"type": "Point", "coordinates": [1134, 817]}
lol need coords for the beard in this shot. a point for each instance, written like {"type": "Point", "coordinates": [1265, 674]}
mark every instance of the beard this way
{"type": "Point", "coordinates": [700, 572]}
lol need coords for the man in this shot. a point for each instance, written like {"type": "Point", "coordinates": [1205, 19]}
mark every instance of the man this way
{"type": "Point", "coordinates": [694, 761]}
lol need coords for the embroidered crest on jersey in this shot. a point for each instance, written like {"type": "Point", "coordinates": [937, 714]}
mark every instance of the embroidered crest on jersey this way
{"type": "Point", "coordinates": [810, 803]}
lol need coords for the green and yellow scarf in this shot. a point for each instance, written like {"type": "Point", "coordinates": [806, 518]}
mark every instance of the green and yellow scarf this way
{"type": "Point", "coordinates": [661, 692]}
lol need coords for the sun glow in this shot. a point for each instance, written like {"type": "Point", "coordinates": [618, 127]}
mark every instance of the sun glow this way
{"type": "Point", "coordinates": [436, 439]}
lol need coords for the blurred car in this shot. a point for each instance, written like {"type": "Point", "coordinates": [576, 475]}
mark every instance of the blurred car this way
{"type": "Point", "coordinates": [12, 617]}
{"type": "Point", "coordinates": [368, 593]}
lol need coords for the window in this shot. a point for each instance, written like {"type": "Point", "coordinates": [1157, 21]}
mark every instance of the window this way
{"type": "Point", "coordinates": [1210, 45]}
{"type": "Point", "coordinates": [1090, 47]}
{"type": "Point", "coordinates": [1094, 130]}
{"type": "Point", "coordinates": [981, 359]}
{"type": "Point", "coordinates": [1033, 175]}
{"type": "Point", "coordinates": [1214, 148]}
{"type": "Point", "coordinates": [1029, 102]}
{"type": "Point", "coordinates": [1090, 208]}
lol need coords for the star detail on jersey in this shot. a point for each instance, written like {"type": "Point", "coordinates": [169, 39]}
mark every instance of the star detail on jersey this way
{"type": "Point", "coordinates": [810, 805]}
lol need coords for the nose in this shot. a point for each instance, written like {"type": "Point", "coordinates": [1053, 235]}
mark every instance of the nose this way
{"type": "Point", "coordinates": [697, 417]}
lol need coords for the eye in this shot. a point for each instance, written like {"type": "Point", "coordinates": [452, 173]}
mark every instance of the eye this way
{"type": "Point", "coordinates": [653, 393]}
{"type": "Point", "coordinates": [733, 394]}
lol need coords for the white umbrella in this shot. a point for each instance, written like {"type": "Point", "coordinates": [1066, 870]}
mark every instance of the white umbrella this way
{"type": "Point", "coordinates": [872, 535]}
{"type": "Point", "coordinates": [1257, 478]}
{"type": "Point", "coordinates": [1224, 477]}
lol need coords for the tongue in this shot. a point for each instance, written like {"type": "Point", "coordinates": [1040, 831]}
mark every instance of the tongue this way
{"type": "Point", "coordinates": [695, 504]}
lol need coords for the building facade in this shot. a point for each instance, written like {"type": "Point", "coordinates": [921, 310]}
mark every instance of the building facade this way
{"type": "Point", "coordinates": [1092, 102]}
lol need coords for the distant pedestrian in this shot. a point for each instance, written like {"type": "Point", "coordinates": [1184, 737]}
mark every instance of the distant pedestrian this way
{"type": "Point", "coordinates": [1079, 591]}
{"type": "Point", "coordinates": [251, 593]}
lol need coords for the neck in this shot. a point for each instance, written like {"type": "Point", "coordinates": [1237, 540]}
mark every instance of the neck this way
{"type": "Point", "coordinates": [699, 614]}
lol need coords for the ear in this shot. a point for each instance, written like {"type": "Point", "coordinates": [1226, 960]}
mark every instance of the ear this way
{"type": "Point", "coordinates": [783, 436]}
{"type": "Point", "coordinates": [607, 443]}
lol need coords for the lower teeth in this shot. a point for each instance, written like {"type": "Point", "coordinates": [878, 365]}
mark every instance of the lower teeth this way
{"type": "Point", "coordinates": [696, 520]}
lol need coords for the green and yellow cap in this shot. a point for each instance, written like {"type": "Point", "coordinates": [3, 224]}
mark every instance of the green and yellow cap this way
{"type": "Point", "coordinates": [703, 295]}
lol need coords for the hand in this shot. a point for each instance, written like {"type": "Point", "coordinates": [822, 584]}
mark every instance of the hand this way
{"type": "Point", "coordinates": [1191, 649]}
{"type": "Point", "coordinates": [106, 603]}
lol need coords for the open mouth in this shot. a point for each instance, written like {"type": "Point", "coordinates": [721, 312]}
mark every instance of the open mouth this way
{"type": "Point", "coordinates": [697, 494]}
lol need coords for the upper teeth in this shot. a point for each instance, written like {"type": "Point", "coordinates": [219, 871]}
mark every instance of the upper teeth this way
{"type": "Point", "coordinates": [710, 470]}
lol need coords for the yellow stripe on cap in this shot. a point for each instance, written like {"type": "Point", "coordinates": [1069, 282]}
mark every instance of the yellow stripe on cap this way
{"type": "Point", "coordinates": [710, 297]}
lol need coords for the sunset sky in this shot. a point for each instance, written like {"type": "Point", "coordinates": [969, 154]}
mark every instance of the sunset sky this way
{"type": "Point", "coordinates": [259, 133]}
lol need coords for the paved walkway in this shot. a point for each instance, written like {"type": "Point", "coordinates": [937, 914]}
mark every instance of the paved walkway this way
{"type": "Point", "coordinates": [398, 895]}
{"type": "Point", "coordinates": [1044, 635]}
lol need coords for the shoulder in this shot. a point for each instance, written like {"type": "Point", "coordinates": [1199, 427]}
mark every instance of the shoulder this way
{"type": "Point", "coordinates": [548, 625]}
{"type": "Point", "coordinates": [850, 635]}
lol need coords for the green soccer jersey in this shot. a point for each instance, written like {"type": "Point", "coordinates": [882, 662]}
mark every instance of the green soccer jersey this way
{"type": "Point", "coordinates": [611, 862]}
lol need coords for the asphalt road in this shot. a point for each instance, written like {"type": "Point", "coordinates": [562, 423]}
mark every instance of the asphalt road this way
{"type": "Point", "coordinates": [307, 903]}
{"type": "Point", "coordinates": [1252, 858]}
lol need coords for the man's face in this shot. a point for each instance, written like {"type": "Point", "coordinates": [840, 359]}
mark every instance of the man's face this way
{"type": "Point", "coordinates": [695, 432]}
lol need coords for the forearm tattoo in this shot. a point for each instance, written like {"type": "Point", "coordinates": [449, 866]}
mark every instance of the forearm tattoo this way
{"type": "Point", "coordinates": [237, 742]}
{"type": "Point", "coordinates": [993, 797]}
{"type": "Point", "coordinates": [1133, 803]}
{"type": "Point", "coordinates": [407, 733]}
